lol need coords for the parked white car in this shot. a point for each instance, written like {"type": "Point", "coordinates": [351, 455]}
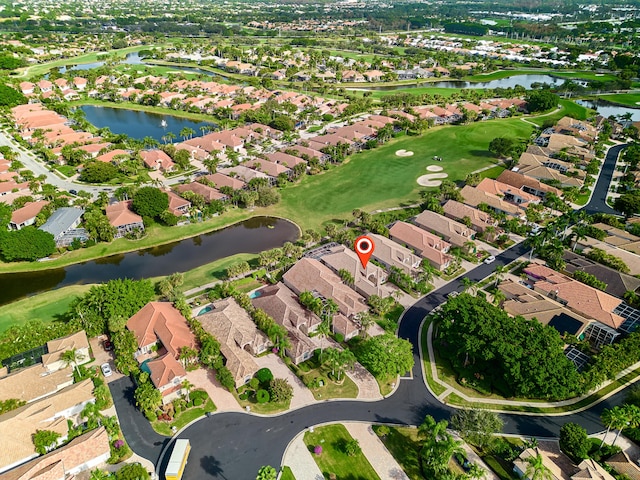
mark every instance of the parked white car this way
{"type": "Point", "coordinates": [106, 370]}
{"type": "Point", "coordinates": [489, 259]}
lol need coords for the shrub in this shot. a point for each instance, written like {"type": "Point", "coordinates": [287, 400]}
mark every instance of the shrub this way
{"type": "Point", "coordinates": [264, 375]}
{"type": "Point", "coordinates": [197, 402]}
{"type": "Point", "coordinates": [243, 396]}
{"type": "Point", "coordinates": [317, 449]}
{"type": "Point", "coordinates": [382, 430]}
{"type": "Point", "coordinates": [352, 447]}
{"type": "Point", "coordinates": [118, 444]}
{"type": "Point", "coordinates": [151, 416]}
{"type": "Point", "coordinates": [262, 396]}
{"type": "Point", "coordinates": [280, 390]}
{"type": "Point", "coordinates": [254, 383]}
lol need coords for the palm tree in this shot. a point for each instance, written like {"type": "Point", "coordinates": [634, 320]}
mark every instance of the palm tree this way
{"type": "Point", "coordinates": [324, 329]}
{"type": "Point", "coordinates": [499, 273]}
{"type": "Point", "coordinates": [186, 388]}
{"type": "Point", "coordinates": [469, 285]}
{"type": "Point", "coordinates": [72, 357]}
{"type": "Point", "coordinates": [498, 297]}
{"type": "Point", "coordinates": [536, 469]}
{"type": "Point", "coordinates": [630, 417]}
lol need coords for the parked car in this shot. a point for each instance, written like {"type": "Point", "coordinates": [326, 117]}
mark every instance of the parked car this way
{"type": "Point", "coordinates": [108, 345]}
{"type": "Point", "coordinates": [453, 294]}
{"type": "Point", "coordinates": [489, 259]}
{"type": "Point", "coordinates": [106, 370]}
{"type": "Point", "coordinates": [73, 192]}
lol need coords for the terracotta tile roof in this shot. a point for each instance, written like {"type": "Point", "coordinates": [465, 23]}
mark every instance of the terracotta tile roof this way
{"type": "Point", "coordinates": [426, 244]}
{"type": "Point", "coordinates": [109, 156]}
{"type": "Point", "coordinates": [284, 159]}
{"type": "Point", "coordinates": [232, 326]}
{"type": "Point", "coordinates": [452, 231]}
{"type": "Point", "coordinates": [161, 321]}
{"type": "Point", "coordinates": [164, 370]}
{"type": "Point", "coordinates": [282, 305]}
{"type": "Point", "coordinates": [495, 187]}
{"type": "Point", "coordinates": [582, 298]}
{"type": "Point", "coordinates": [17, 426]}
{"type": "Point", "coordinates": [310, 275]}
{"type": "Point", "coordinates": [177, 204]}
{"type": "Point", "coordinates": [479, 220]}
{"type": "Point", "coordinates": [474, 197]}
{"type": "Point", "coordinates": [33, 382]}
{"type": "Point", "coordinates": [58, 346]}
{"type": "Point", "coordinates": [269, 168]}
{"type": "Point", "coordinates": [156, 159]}
{"type": "Point", "coordinates": [395, 255]}
{"type": "Point", "coordinates": [209, 193]}
{"type": "Point", "coordinates": [90, 448]}
{"type": "Point", "coordinates": [29, 211]}
{"type": "Point", "coordinates": [120, 215]}
{"type": "Point", "coordinates": [519, 181]}
{"type": "Point", "coordinates": [222, 180]}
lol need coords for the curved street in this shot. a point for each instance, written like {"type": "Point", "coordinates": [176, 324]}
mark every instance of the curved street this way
{"type": "Point", "coordinates": [235, 445]}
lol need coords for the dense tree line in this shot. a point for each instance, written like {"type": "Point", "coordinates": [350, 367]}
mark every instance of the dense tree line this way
{"type": "Point", "coordinates": [515, 356]}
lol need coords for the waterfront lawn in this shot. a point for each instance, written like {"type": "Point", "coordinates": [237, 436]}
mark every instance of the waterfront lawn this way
{"type": "Point", "coordinates": [214, 271]}
{"type": "Point", "coordinates": [628, 99]}
{"type": "Point", "coordinates": [425, 89]}
{"type": "Point", "coordinates": [47, 306]}
{"type": "Point", "coordinates": [403, 444]}
{"type": "Point", "coordinates": [156, 235]}
{"type": "Point", "coordinates": [333, 459]}
{"type": "Point", "coordinates": [567, 108]}
{"type": "Point", "coordinates": [378, 178]}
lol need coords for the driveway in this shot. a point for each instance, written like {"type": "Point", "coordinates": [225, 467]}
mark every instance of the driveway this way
{"type": "Point", "coordinates": [206, 379]}
{"type": "Point", "coordinates": [102, 356]}
{"type": "Point", "coordinates": [598, 201]}
{"type": "Point", "coordinates": [301, 395]}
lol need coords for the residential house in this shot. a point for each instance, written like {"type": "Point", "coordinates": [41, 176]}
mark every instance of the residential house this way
{"type": "Point", "coordinates": [178, 205]}
{"type": "Point", "coordinates": [581, 298]}
{"type": "Point", "coordinates": [394, 255]}
{"type": "Point", "coordinates": [522, 300]}
{"type": "Point", "coordinates": [352, 76]}
{"type": "Point", "coordinates": [110, 157]}
{"type": "Point", "coordinates": [272, 170]}
{"type": "Point", "coordinates": [310, 275]}
{"type": "Point", "coordinates": [284, 159]}
{"type": "Point", "coordinates": [82, 454]}
{"type": "Point", "coordinates": [461, 212]}
{"type": "Point", "coordinates": [475, 197]}
{"type": "Point", "coordinates": [123, 219]}
{"type": "Point", "coordinates": [451, 231]}
{"type": "Point", "coordinates": [527, 184]}
{"type": "Point", "coordinates": [33, 383]}
{"type": "Point", "coordinates": [560, 467]}
{"type": "Point", "coordinates": [622, 464]}
{"type": "Point", "coordinates": [345, 326]}
{"type": "Point", "coordinates": [245, 174]}
{"type": "Point", "coordinates": [372, 75]}
{"type": "Point", "coordinates": [282, 305]}
{"type": "Point", "coordinates": [507, 192]}
{"type": "Point", "coordinates": [424, 243]}
{"type": "Point", "coordinates": [25, 216]}
{"type": "Point", "coordinates": [208, 193]}
{"type": "Point", "coordinates": [366, 281]}
{"type": "Point", "coordinates": [221, 180]}
{"type": "Point", "coordinates": [53, 361]}
{"type": "Point", "coordinates": [160, 327]}
{"type": "Point", "coordinates": [157, 160]}
{"type": "Point", "coordinates": [50, 413]}
{"type": "Point", "coordinates": [239, 338]}
{"type": "Point", "coordinates": [63, 223]}
{"type": "Point", "coordinates": [618, 283]}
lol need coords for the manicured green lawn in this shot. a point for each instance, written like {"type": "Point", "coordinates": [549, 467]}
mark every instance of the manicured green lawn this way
{"type": "Point", "coordinates": [379, 178]}
{"type": "Point", "coordinates": [333, 459]}
{"type": "Point", "coordinates": [444, 92]}
{"type": "Point", "coordinates": [629, 99]}
{"type": "Point", "coordinates": [66, 170]}
{"type": "Point", "coordinates": [214, 271]}
{"type": "Point", "coordinates": [492, 172]}
{"type": "Point", "coordinates": [331, 389]}
{"type": "Point", "coordinates": [46, 306]}
{"type": "Point", "coordinates": [403, 444]}
{"type": "Point", "coordinates": [183, 418]}
{"type": "Point", "coordinates": [568, 108]}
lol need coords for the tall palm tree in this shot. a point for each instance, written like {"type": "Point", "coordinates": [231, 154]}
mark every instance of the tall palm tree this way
{"type": "Point", "coordinates": [536, 469]}
{"type": "Point", "coordinates": [630, 417]}
{"type": "Point", "coordinates": [499, 273]}
{"type": "Point", "coordinates": [72, 357]}
{"type": "Point", "coordinates": [186, 388]}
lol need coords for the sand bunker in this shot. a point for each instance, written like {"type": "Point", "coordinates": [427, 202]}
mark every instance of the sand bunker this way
{"type": "Point", "coordinates": [429, 180]}
{"type": "Point", "coordinates": [404, 153]}
{"type": "Point", "coordinates": [434, 168]}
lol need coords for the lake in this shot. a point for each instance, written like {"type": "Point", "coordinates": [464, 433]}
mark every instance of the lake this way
{"type": "Point", "coordinates": [138, 124]}
{"type": "Point", "coordinates": [132, 58]}
{"type": "Point", "coordinates": [251, 236]}
{"type": "Point", "coordinates": [607, 109]}
{"type": "Point", "coordinates": [525, 81]}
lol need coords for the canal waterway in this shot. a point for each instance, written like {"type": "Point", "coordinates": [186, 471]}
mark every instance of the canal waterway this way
{"type": "Point", "coordinates": [526, 81]}
{"type": "Point", "coordinates": [607, 109]}
{"type": "Point", "coordinates": [251, 236]}
{"type": "Point", "coordinates": [137, 124]}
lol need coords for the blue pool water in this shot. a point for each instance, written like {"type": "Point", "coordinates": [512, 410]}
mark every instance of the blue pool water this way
{"type": "Point", "coordinates": [206, 309]}
{"type": "Point", "coordinates": [255, 294]}
{"type": "Point", "coordinates": [144, 367]}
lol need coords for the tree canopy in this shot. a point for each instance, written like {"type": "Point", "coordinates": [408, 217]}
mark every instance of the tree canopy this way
{"type": "Point", "coordinates": [628, 203]}
{"type": "Point", "coordinates": [386, 355]}
{"type": "Point", "coordinates": [541, 100]}
{"type": "Point", "coordinates": [29, 243]}
{"type": "Point", "coordinates": [150, 202]}
{"type": "Point", "coordinates": [10, 97]}
{"type": "Point", "coordinates": [512, 355]}
{"type": "Point", "coordinates": [98, 172]}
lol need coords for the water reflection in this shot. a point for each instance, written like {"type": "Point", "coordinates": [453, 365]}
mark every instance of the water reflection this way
{"type": "Point", "coordinates": [266, 233]}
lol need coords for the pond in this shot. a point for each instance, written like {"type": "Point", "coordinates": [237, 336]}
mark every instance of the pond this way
{"type": "Point", "coordinates": [525, 81]}
{"type": "Point", "coordinates": [132, 58]}
{"type": "Point", "coordinates": [251, 236]}
{"type": "Point", "coordinates": [607, 109]}
{"type": "Point", "coordinates": [138, 124]}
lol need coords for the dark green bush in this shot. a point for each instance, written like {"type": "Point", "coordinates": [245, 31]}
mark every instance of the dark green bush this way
{"type": "Point", "coordinates": [262, 396]}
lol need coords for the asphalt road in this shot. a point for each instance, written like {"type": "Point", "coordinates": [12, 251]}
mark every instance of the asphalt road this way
{"type": "Point", "coordinates": [598, 203]}
{"type": "Point", "coordinates": [233, 446]}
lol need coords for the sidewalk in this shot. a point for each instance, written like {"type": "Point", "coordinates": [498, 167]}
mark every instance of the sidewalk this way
{"type": "Point", "coordinates": [564, 403]}
{"type": "Point", "coordinates": [372, 447]}
{"type": "Point", "coordinates": [298, 458]}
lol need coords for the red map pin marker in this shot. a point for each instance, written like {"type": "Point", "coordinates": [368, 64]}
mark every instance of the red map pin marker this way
{"type": "Point", "coordinates": [364, 248]}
